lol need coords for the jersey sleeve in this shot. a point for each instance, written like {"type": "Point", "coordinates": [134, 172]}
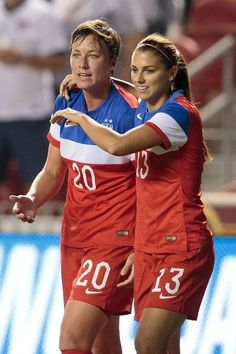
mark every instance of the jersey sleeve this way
{"type": "Point", "coordinates": [172, 124]}
{"type": "Point", "coordinates": [54, 135]}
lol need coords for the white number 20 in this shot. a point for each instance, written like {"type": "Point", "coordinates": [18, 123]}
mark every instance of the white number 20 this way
{"type": "Point", "coordinates": [85, 177]}
{"type": "Point", "coordinates": [88, 265]}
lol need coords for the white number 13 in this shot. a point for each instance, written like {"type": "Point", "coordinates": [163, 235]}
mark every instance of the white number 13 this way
{"type": "Point", "coordinates": [175, 279]}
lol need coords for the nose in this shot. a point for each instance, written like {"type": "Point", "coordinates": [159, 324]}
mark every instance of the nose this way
{"type": "Point", "coordinates": [139, 78]}
{"type": "Point", "coordinates": [83, 62]}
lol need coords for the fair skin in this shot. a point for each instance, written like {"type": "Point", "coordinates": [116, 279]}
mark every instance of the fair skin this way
{"type": "Point", "coordinates": [158, 328]}
{"type": "Point", "coordinates": [91, 68]}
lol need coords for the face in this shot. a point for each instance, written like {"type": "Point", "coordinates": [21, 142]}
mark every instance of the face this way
{"type": "Point", "coordinates": [91, 64]}
{"type": "Point", "coordinates": [150, 77]}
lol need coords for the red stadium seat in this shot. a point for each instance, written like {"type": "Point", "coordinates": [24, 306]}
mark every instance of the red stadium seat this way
{"type": "Point", "coordinates": [210, 20]}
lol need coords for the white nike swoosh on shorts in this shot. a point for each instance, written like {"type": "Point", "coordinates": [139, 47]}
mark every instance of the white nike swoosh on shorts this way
{"type": "Point", "coordinates": [87, 291]}
{"type": "Point", "coordinates": [166, 296]}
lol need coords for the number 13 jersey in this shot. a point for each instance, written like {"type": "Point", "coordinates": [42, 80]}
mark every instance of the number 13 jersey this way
{"type": "Point", "coordinates": [170, 217]}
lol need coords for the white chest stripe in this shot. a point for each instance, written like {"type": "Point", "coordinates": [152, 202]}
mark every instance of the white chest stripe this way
{"type": "Point", "coordinates": [86, 153]}
{"type": "Point", "coordinates": [90, 154]}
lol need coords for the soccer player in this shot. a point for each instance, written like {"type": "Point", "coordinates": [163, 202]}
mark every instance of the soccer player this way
{"type": "Point", "coordinates": [99, 213]}
{"type": "Point", "coordinates": [174, 254]}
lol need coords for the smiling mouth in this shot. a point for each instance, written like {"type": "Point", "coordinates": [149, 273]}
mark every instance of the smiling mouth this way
{"type": "Point", "coordinates": [84, 76]}
{"type": "Point", "coordinates": [142, 88]}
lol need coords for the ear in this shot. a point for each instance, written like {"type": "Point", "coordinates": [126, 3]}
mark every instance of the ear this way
{"type": "Point", "coordinates": [113, 63]}
{"type": "Point", "coordinates": [172, 73]}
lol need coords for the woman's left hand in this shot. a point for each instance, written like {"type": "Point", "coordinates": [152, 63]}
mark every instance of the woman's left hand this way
{"type": "Point", "coordinates": [69, 114]}
{"type": "Point", "coordinates": [128, 272]}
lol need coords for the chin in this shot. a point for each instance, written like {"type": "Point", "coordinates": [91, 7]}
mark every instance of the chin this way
{"type": "Point", "coordinates": [84, 84]}
{"type": "Point", "coordinates": [144, 96]}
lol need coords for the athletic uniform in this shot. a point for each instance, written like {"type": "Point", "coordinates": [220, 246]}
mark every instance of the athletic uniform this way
{"type": "Point", "coordinates": [174, 253]}
{"type": "Point", "coordinates": [99, 214]}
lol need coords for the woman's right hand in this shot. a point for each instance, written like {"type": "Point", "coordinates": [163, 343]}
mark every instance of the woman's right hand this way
{"type": "Point", "coordinates": [66, 85]}
{"type": "Point", "coordinates": [24, 208]}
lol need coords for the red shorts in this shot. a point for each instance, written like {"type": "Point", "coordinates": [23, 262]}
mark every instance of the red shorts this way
{"type": "Point", "coordinates": [92, 274]}
{"type": "Point", "coordinates": [175, 282]}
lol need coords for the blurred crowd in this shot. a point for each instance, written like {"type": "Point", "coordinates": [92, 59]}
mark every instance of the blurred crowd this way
{"type": "Point", "coordinates": [34, 53]}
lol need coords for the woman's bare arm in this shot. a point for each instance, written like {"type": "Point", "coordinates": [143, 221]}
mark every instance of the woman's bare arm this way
{"type": "Point", "coordinates": [136, 139]}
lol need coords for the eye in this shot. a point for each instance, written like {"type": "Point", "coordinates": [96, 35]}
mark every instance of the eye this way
{"type": "Point", "coordinates": [133, 70]}
{"type": "Point", "coordinates": [149, 71]}
{"type": "Point", "coordinates": [75, 55]}
{"type": "Point", "coordinates": [93, 56]}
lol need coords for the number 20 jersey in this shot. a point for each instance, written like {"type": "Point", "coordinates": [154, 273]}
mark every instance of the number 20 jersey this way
{"type": "Point", "coordinates": [100, 202]}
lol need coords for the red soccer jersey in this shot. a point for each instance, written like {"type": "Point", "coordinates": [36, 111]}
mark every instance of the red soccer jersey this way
{"type": "Point", "coordinates": [100, 201]}
{"type": "Point", "coordinates": [170, 216]}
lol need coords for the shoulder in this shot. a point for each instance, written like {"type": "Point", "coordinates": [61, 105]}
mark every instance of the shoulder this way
{"type": "Point", "coordinates": [189, 111]}
{"type": "Point", "coordinates": [177, 109]}
{"type": "Point", "coordinates": [172, 116]}
{"type": "Point", "coordinates": [126, 96]}
{"type": "Point", "coordinates": [75, 96]}
{"type": "Point", "coordinates": [121, 107]}
{"type": "Point", "coordinates": [60, 103]}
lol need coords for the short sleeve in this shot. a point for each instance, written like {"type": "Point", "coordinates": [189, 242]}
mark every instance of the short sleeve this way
{"type": "Point", "coordinates": [172, 124]}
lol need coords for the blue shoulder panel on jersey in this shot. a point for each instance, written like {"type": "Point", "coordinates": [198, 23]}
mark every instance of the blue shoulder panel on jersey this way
{"type": "Point", "coordinates": [60, 103]}
{"type": "Point", "coordinates": [114, 112]}
{"type": "Point", "coordinates": [179, 113]}
{"type": "Point", "coordinates": [171, 107]}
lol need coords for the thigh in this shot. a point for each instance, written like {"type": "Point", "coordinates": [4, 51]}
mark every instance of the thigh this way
{"type": "Point", "coordinates": [97, 279]}
{"type": "Point", "coordinates": [80, 325]}
{"type": "Point", "coordinates": [174, 342]}
{"type": "Point", "coordinates": [108, 339]}
{"type": "Point", "coordinates": [157, 328]}
{"type": "Point", "coordinates": [97, 325]}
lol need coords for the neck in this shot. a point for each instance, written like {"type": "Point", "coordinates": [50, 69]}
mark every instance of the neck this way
{"type": "Point", "coordinates": [94, 99]}
{"type": "Point", "coordinates": [153, 106]}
